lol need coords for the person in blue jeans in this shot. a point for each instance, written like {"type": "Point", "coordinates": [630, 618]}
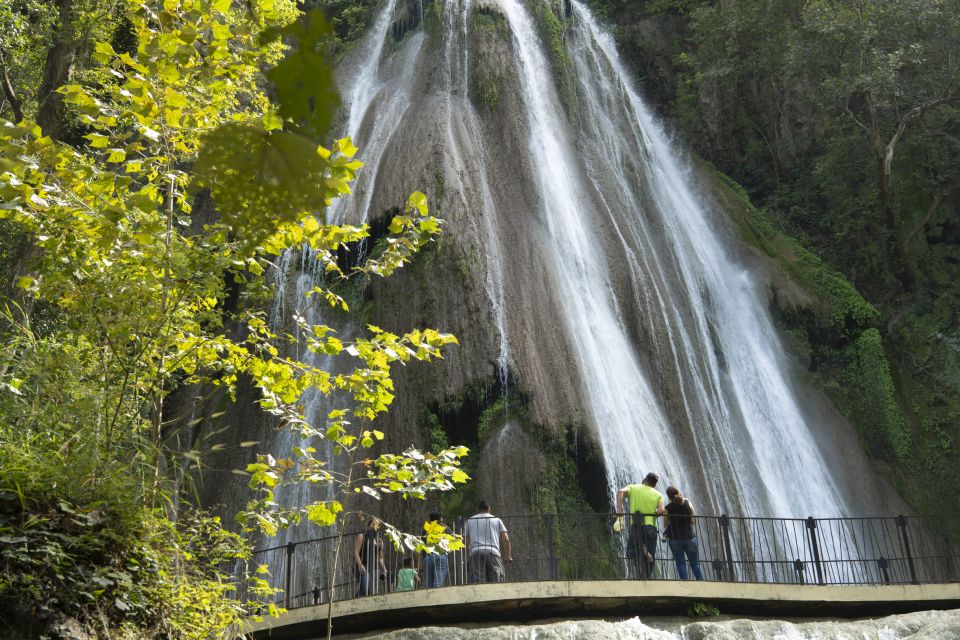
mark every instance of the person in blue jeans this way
{"type": "Point", "coordinates": [436, 566]}
{"type": "Point", "coordinates": [681, 532]}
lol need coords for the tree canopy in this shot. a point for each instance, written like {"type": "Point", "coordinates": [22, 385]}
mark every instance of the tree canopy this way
{"type": "Point", "coordinates": [150, 229]}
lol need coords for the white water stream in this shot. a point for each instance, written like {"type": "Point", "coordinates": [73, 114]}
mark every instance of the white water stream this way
{"type": "Point", "coordinates": [680, 364]}
{"type": "Point", "coordinates": [924, 625]}
{"type": "Point", "coordinates": [702, 305]}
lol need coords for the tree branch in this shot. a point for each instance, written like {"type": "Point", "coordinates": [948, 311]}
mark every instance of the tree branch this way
{"type": "Point", "coordinates": [8, 90]}
{"type": "Point", "coordinates": [937, 201]}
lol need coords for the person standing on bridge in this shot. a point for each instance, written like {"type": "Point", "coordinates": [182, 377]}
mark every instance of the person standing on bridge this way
{"type": "Point", "coordinates": [680, 530]}
{"type": "Point", "coordinates": [646, 504]}
{"type": "Point", "coordinates": [485, 535]}
{"type": "Point", "coordinates": [367, 554]}
{"type": "Point", "coordinates": [436, 566]}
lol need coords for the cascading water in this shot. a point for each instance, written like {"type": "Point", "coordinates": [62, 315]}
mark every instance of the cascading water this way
{"type": "Point", "coordinates": [927, 625]}
{"type": "Point", "coordinates": [637, 279]}
{"type": "Point", "coordinates": [634, 204]}
{"type": "Point", "coordinates": [721, 344]}
{"type": "Point", "coordinates": [464, 141]}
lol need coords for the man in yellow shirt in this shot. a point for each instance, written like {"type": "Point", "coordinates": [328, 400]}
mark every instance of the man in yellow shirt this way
{"type": "Point", "coordinates": [646, 505]}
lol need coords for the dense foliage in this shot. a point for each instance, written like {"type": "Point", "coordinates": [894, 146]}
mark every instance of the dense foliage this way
{"type": "Point", "coordinates": [137, 241]}
{"type": "Point", "coordinates": [842, 120]}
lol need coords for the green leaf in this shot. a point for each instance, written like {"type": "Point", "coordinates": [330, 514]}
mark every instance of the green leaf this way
{"type": "Point", "coordinates": [303, 82]}
{"type": "Point", "coordinates": [323, 513]}
{"type": "Point", "coordinates": [399, 223]}
{"type": "Point", "coordinates": [345, 147]}
{"type": "Point", "coordinates": [97, 141]}
{"type": "Point", "coordinates": [417, 201]}
{"type": "Point", "coordinates": [279, 172]}
{"type": "Point", "coordinates": [272, 121]}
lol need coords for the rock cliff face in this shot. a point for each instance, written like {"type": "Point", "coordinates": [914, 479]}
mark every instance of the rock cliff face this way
{"type": "Point", "coordinates": [611, 322]}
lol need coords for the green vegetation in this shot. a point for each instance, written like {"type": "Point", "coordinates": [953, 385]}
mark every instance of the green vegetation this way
{"type": "Point", "coordinates": [349, 18]}
{"type": "Point", "coordinates": [549, 17]}
{"type": "Point", "coordinates": [702, 610]}
{"type": "Point", "coordinates": [553, 32]}
{"type": "Point", "coordinates": [137, 242]}
{"type": "Point", "coordinates": [486, 75]}
{"type": "Point", "coordinates": [875, 405]}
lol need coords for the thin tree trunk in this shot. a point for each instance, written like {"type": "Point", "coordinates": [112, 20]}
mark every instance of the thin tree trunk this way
{"type": "Point", "coordinates": [883, 154]}
{"type": "Point", "coordinates": [8, 91]}
{"type": "Point", "coordinates": [937, 201]}
{"type": "Point", "coordinates": [50, 110]}
{"type": "Point", "coordinates": [56, 72]}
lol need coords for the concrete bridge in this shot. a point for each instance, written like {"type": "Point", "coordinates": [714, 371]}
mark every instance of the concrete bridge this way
{"type": "Point", "coordinates": [529, 601]}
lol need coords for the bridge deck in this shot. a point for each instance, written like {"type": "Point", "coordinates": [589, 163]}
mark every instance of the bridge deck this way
{"type": "Point", "coordinates": [525, 601]}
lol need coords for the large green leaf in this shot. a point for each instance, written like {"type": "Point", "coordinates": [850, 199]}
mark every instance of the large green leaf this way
{"type": "Point", "coordinates": [303, 82]}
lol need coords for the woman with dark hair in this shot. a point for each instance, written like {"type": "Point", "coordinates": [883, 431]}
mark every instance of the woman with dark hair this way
{"type": "Point", "coordinates": [367, 554]}
{"type": "Point", "coordinates": [680, 523]}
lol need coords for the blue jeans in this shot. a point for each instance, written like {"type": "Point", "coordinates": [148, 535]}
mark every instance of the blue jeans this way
{"type": "Point", "coordinates": [366, 582]}
{"type": "Point", "coordinates": [436, 567]}
{"type": "Point", "coordinates": [691, 549]}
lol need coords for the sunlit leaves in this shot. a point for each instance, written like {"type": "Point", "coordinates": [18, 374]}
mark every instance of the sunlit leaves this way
{"type": "Point", "coordinates": [413, 473]}
{"type": "Point", "coordinates": [323, 513]}
{"type": "Point", "coordinates": [185, 186]}
{"type": "Point", "coordinates": [279, 172]}
{"type": "Point", "coordinates": [410, 232]}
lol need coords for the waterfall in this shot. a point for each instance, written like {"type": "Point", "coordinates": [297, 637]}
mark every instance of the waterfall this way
{"type": "Point", "coordinates": [627, 198]}
{"type": "Point", "coordinates": [748, 429]}
{"type": "Point", "coordinates": [679, 364]}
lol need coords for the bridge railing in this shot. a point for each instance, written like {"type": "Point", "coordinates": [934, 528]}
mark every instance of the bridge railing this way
{"type": "Point", "coordinates": [825, 551]}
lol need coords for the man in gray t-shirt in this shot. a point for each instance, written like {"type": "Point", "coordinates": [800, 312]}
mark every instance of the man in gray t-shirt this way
{"type": "Point", "coordinates": [485, 536]}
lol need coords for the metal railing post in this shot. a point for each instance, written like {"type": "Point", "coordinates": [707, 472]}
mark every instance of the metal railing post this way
{"type": "Point", "coordinates": [727, 547]}
{"type": "Point", "coordinates": [459, 560]}
{"type": "Point", "coordinates": [288, 582]}
{"type": "Point", "coordinates": [554, 565]}
{"type": "Point", "coordinates": [815, 546]}
{"type": "Point", "coordinates": [799, 568]}
{"type": "Point", "coordinates": [718, 569]}
{"type": "Point", "coordinates": [905, 541]}
{"type": "Point", "coordinates": [883, 566]}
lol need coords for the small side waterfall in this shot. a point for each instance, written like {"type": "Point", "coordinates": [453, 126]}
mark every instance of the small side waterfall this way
{"type": "Point", "coordinates": [466, 148]}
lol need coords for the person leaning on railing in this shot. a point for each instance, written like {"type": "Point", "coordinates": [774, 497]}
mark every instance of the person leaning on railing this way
{"type": "Point", "coordinates": [646, 504]}
{"type": "Point", "coordinates": [367, 554]}
{"type": "Point", "coordinates": [680, 531]}
{"type": "Point", "coordinates": [485, 535]}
